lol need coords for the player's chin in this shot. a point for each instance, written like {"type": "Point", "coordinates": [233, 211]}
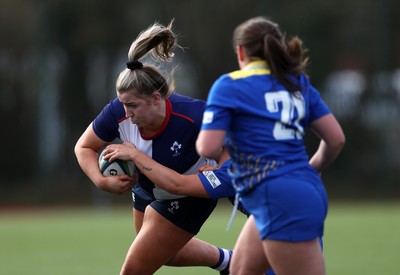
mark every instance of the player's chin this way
{"type": "Point", "coordinates": [135, 122]}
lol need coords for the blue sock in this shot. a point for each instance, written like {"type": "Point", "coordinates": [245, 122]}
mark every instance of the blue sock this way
{"type": "Point", "coordinates": [224, 260]}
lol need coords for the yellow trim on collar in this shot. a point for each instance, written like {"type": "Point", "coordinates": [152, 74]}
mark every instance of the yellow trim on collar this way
{"type": "Point", "coordinates": [258, 67]}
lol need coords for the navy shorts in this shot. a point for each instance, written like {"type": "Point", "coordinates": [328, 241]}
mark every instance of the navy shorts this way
{"type": "Point", "coordinates": [188, 213]}
{"type": "Point", "coordinates": [140, 198]}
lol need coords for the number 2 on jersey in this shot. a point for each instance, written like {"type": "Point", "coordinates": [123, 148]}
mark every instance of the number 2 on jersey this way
{"type": "Point", "coordinates": [292, 111]}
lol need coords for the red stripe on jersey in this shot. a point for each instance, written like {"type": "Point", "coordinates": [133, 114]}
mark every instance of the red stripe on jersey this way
{"type": "Point", "coordinates": [180, 115]}
{"type": "Point", "coordinates": [122, 119]}
{"type": "Point", "coordinates": [168, 111]}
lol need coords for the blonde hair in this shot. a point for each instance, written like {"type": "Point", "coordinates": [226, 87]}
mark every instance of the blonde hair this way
{"type": "Point", "coordinates": [159, 42]}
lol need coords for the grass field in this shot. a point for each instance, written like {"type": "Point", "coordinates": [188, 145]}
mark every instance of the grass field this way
{"type": "Point", "coordinates": [359, 238]}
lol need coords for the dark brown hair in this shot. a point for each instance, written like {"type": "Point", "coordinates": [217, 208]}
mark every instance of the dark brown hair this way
{"type": "Point", "coordinates": [262, 39]}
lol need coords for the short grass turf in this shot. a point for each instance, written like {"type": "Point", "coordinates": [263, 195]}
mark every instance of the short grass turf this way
{"type": "Point", "coordinates": [360, 238]}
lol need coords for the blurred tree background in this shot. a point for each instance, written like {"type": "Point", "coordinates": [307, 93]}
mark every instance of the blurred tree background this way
{"type": "Point", "coordinates": [59, 60]}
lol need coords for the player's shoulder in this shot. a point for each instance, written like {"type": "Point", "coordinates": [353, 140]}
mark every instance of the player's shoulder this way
{"type": "Point", "coordinates": [186, 105]}
{"type": "Point", "coordinates": [304, 80]}
{"type": "Point", "coordinates": [177, 98]}
{"type": "Point", "coordinates": [113, 110]}
{"type": "Point", "coordinates": [308, 90]}
{"type": "Point", "coordinates": [116, 108]}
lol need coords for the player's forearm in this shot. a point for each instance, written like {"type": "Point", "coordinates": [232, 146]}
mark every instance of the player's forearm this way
{"type": "Point", "coordinates": [325, 155]}
{"type": "Point", "coordinates": [160, 175]}
{"type": "Point", "coordinates": [332, 141]}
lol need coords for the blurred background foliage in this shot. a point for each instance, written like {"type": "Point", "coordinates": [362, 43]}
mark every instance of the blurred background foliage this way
{"type": "Point", "coordinates": [59, 60]}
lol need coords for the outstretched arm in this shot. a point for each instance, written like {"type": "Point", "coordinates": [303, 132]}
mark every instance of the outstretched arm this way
{"type": "Point", "coordinates": [162, 176]}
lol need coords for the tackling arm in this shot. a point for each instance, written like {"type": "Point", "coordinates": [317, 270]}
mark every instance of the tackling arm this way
{"type": "Point", "coordinates": [166, 178]}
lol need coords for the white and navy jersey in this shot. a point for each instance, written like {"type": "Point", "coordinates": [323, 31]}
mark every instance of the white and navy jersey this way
{"type": "Point", "coordinates": [172, 146]}
{"type": "Point", "coordinates": [265, 123]}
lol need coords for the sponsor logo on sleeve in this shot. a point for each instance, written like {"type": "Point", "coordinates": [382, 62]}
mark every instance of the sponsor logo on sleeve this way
{"type": "Point", "coordinates": [208, 117]}
{"type": "Point", "coordinates": [212, 178]}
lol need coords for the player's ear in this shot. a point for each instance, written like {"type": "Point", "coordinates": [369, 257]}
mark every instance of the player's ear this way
{"type": "Point", "coordinates": [156, 97]}
{"type": "Point", "coordinates": [240, 52]}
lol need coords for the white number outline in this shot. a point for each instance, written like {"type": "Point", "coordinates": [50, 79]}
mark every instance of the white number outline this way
{"type": "Point", "coordinates": [289, 103]}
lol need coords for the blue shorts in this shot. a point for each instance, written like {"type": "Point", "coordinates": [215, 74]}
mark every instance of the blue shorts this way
{"type": "Point", "coordinates": [188, 213]}
{"type": "Point", "coordinates": [291, 207]}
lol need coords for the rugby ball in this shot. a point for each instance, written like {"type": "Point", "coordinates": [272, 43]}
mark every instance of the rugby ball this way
{"type": "Point", "coordinates": [117, 167]}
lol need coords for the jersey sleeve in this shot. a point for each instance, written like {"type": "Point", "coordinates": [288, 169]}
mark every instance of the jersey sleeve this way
{"type": "Point", "coordinates": [316, 105]}
{"type": "Point", "coordinates": [221, 103]}
{"type": "Point", "coordinates": [217, 182]}
{"type": "Point", "coordinates": [188, 107]}
{"type": "Point", "coordinates": [105, 125]}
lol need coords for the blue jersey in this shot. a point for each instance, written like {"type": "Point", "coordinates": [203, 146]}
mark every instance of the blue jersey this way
{"type": "Point", "coordinates": [172, 146]}
{"type": "Point", "coordinates": [265, 123]}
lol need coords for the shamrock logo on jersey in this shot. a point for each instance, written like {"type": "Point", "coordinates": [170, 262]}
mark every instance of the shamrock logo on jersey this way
{"type": "Point", "coordinates": [175, 148]}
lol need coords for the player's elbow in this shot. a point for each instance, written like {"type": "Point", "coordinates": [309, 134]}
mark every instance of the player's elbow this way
{"type": "Point", "coordinates": [209, 143]}
{"type": "Point", "coordinates": [341, 142]}
{"type": "Point", "coordinates": [200, 147]}
{"type": "Point", "coordinates": [338, 142]}
{"type": "Point", "coordinates": [206, 151]}
{"type": "Point", "coordinates": [77, 149]}
{"type": "Point", "coordinates": [202, 151]}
